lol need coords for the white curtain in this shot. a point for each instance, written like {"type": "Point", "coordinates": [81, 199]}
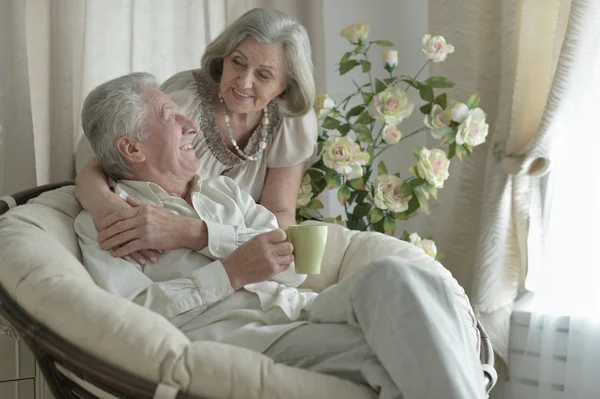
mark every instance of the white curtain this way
{"type": "Point", "coordinates": [564, 333]}
{"type": "Point", "coordinates": [507, 51]}
{"type": "Point", "coordinates": [52, 52]}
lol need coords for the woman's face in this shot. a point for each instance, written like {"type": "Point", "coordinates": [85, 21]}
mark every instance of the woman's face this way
{"type": "Point", "coordinates": [253, 75]}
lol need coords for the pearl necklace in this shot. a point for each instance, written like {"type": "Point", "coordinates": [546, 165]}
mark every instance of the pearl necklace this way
{"type": "Point", "coordinates": [264, 133]}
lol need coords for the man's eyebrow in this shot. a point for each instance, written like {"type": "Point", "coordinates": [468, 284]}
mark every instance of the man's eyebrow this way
{"type": "Point", "coordinates": [164, 108]}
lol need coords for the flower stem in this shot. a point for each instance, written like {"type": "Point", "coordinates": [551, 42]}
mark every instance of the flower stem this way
{"type": "Point", "coordinates": [415, 132]}
{"type": "Point", "coordinates": [418, 73]}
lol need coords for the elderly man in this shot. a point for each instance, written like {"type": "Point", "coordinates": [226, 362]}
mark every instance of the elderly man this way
{"type": "Point", "coordinates": [391, 325]}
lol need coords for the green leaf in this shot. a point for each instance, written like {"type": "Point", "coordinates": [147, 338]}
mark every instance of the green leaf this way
{"type": "Point", "coordinates": [357, 184]}
{"type": "Point", "coordinates": [315, 203]}
{"type": "Point", "coordinates": [315, 175]}
{"type": "Point", "coordinates": [367, 97]}
{"type": "Point", "coordinates": [381, 169]}
{"type": "Point", "coordinates": [362, 210]}
{"type": "Point", "coordinates": [416, 182]}
{"type": "Point", "coordinates": [433, 191]}
{"type": "Point", "coordinates": [439, 82]}
{"type": "Point", "coordinates": [344, 129]}
{"type": "Point", "coordinates": [426, 93]}
{"type": "Point", "coordinates": [304, 213]}
{"type": "Point", "coordinates": [379, 86]}
{"type": "Point", "coordinates": [359, 47]}
{"type": "Point", "coordinates": [347, 66]}
{"type": "Point", "coordinates": [461, 151]}
{"type": "Point", "coordinates": [451, 150]}
{"type": "Point", "coordinates": [413, 170]}
{"type": "Point", "coordinates": [400, 216]}
{"type": "Point", "coordinates": [336, 220]}
{"type": "Point", "coordinates": [383, 43]}
{"type": "Point", "coordinates": [389, 225]}
{"type": "Point", "coordinates": [426, 109]}
{"type": "Point", "coordinates": [422, 201]}
{"type": "Point", "coordinates": [355, 111]}
{"type": "Point", "coordinates": [364, 133]}
{"type": "Point", "coordinates": [365, 119]}
{"type": "Point", "coordinates": [343, 194]}
{"type": "Point", "coordinates": [473, 101]}
{"type": "Point", "coordinates": [375, 215]}
{"type": "Point", "coordinates": [441, 100]}
{"type": "Point", "coordinates": [330, 123]}
{"type": "Point", "coordinates": [414, 83]}
{"type": "Point", "coordinates": [405, 236]}
{"type": "Point", "coordinates": [366, 65]}
{"type": "Point", "coordinates": [333, 178]}
{"type": "Point", "coordinates": [346, 57]}
{"type": "Point", "coordinates": [391, 80]}
{"type": "Point", "coordinates": [417, 153]}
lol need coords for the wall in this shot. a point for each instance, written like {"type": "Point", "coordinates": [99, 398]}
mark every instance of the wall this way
{"type": "Point", "coordinates": [404, 22]}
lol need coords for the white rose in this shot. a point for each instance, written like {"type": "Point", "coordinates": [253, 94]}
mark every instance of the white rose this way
{"type": "Point", "coordinates": [428, 246]}
{"type": "Point", "coordinates": [473, 130]}
{"type": "Point", "coordinates": [438, 121]}
{"type": "Point", "coordinates": [391, 134]}
{"type": "Point", "coordinates": [305, 191]}
{"type": "Point", "coordinates": [459, 112]}
{"type": "Point", "coordinates": [391, 106]}
{"type": "Point", "coordinates": [436, 48]}
{"type": "Point", "coordinates": [323, 105]}
{"type": "Point", "coordinates": [433, 166]}
{"type": "Point", "coordinates": [356, 33]}
{"type": "Point", "coordinates": [345, 156]}
{"type": "Point", "coordinates": [390, 59]}
{"type": "Point", "coordinates": [388, 193]}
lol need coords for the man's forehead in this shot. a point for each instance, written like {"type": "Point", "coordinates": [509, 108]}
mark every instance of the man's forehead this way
{"type": "Point", "coordinates": [159, 100]}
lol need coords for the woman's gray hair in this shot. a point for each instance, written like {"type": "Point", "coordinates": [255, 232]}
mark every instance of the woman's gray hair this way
{"type": "Point", "coordinates": [270, 26]}
{"type": "Point", "coordinates": [112, 110]}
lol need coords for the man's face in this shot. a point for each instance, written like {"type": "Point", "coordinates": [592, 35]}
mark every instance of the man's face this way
{"type": "Point", "coordinates": [168, 148]}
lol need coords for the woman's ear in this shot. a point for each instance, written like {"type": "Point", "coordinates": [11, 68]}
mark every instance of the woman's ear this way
{"type": "Point", "coordinates": [130, 150]}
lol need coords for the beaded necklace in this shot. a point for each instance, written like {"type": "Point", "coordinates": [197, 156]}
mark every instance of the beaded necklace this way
{"type": "Point", "coordinates": [264, 133]}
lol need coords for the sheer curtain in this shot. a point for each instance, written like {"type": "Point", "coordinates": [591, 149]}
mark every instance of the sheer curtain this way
{"type": "Point", "coordinates": [564, 333]}
{"type": "Point", "coordinates": [52, 52]}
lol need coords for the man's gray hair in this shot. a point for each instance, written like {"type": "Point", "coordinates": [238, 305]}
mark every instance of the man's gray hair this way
{"type": "Point", "coordinates": [112, 110]}
{"type": "Point", "coordinates": [270, 26]}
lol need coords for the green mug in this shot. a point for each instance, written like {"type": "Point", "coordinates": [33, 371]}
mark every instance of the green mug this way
{"type": "Point", "coordinates": [309, 246]}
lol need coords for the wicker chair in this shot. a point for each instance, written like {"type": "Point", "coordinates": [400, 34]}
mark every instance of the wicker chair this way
{"type": "Point", "coordinates": [55, 355]}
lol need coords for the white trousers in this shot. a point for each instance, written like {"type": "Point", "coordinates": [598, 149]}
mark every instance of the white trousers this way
{"type": "Point", "coordinates": [393, 326]}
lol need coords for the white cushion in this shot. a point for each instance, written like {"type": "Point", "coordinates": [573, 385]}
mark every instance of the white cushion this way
{"type": "Point", "coordinates": [41, 269]}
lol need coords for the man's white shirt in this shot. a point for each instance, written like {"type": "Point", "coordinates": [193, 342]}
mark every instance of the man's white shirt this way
{"type": "Point", "coordinates": [191, 288]}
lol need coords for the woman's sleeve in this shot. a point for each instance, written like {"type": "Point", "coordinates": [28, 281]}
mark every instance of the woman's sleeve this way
{"type": "Point", "coordinates": [294, 141]}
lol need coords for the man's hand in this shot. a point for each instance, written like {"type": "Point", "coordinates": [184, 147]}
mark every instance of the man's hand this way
{"type": "Point", "coordinates": [145, 226]}
{"type": "Point", "coordinates": [259, 259]}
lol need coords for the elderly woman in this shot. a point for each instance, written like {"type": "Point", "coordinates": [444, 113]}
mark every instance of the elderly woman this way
{"type": "Point", "coordinates": [252, 100]}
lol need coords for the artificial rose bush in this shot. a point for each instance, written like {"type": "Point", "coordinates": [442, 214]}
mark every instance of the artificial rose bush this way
{"type": "Point", "coordinates": [358, 129]}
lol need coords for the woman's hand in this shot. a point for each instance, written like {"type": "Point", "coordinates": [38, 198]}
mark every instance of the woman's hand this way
{"type": "Point", "coordinates": [145, 226]}
{"type": "Point", "coordinates": [259, 259]}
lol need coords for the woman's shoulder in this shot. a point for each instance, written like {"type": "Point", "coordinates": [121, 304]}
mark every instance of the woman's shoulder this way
{"type": "Point", "coordinates": [192, 80]}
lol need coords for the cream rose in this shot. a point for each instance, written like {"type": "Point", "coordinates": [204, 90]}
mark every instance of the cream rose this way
{"type": "Point", "coordinates": [391, 134]}
{"type": "Point", "coordinates": [433, 166]}
{"type": "Point", "coordinates": [388, 193]}
{"type": "Point", "coordinates": [390, 59]}
{"type": "Point", "coordinates": [391, 106]}
{"type": "Point", "coordinates": [459, 112]}
{"type": "Point", "coordinates": [428, 246]}
{"type": "Point", "coordinates": [356, 33]}
{"type": "Point", "coordinates": [323, 105]}
{"type": "Point", "coordinates": [345, 156]}
{"type": "Point", "coordinates": [436, 48]}
{"type": "Point", "coordinates": [438, 121]}
{"type": "Point", "coordinates": [305, 191]}
{"type": "Point", "coordinates": [473, 130]}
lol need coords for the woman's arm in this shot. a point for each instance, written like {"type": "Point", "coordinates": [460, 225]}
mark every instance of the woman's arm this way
{"type": "Point", "coordinates": [280, 192]}
{"type": "Point", "coordinates": [94, 194]}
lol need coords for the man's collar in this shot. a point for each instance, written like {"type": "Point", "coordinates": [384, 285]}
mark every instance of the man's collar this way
{"type": "Point", "coordinates": [155, 193]}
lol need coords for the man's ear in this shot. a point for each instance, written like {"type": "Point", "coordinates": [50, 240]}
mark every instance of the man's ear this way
{"type": "Point", "coordinates": [130, 150]}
